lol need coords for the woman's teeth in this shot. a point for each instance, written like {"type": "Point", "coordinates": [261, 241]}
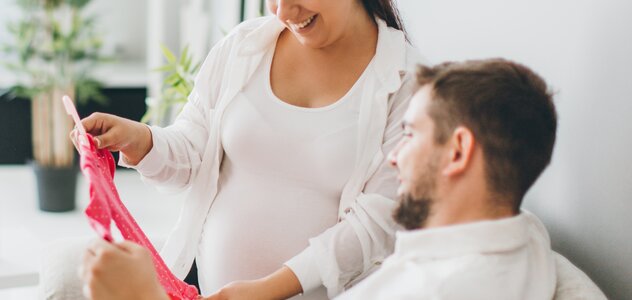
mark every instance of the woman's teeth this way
{"type": "Point", "coordinates": [303, 24]}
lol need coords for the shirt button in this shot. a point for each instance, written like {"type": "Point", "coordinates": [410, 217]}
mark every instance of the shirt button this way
{"type": "Point", "coordinates": [347, 210]}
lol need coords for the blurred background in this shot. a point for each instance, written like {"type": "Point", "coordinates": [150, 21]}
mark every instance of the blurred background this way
{"type": "Point", "coordinates": [583, 48]}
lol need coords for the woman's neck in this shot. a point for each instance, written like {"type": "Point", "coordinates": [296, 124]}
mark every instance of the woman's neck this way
{"type": "Point", "coordinates": [360, 37]}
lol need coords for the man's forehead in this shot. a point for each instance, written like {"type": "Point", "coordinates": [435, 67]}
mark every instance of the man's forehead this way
{"type": "Point", "coordinates": [417, 107]}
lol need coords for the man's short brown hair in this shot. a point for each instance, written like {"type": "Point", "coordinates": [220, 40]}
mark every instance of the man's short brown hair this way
{"type": "Point", "coordinates": [509, 110]}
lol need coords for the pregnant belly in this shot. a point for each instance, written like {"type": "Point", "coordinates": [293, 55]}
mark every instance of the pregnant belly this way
{"type": "Point", "coordinates": [255, 225]}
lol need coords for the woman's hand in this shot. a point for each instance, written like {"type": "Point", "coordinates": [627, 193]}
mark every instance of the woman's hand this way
{"type": "Point", "coordinates": [281, 284]}
{"type": "Point", "coordinates": [246, 290]}
{"type": "Point", "coordinates": [114, 133]}
{"type": "Point", "coordinates": [120, 271]}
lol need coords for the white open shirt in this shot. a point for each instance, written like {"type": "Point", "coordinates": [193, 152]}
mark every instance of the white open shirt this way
{"type": "Point", "coordinates": [509, 258]}
{"type": "Point", "coordinates": [187, 155]}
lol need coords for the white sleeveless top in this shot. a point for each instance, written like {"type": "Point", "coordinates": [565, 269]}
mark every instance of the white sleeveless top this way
{"type": "Point", "coordinates": [280, 181]}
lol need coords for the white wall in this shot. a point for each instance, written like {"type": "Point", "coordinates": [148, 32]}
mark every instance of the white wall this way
{"type": "Point", "coordinates": [583, 49]}
{"type": "Point", "coordinates": [122, 24]}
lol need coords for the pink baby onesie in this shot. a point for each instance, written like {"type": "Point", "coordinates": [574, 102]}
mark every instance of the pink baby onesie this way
{"type": "Point", "coordinates": [105, 205]}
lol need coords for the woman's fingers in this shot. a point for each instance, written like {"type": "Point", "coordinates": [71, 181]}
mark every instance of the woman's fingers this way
{"type": "Point", "coordinates": [213, 297]}
{"type": "Point", "coordinates": [98, 256]}
{"type": "Point", "coordinates": [120, 271]}
{"type": "Point", "coordinates": [105, 129]}
{"type": "Point", "coordinates": [90, 258]}
{"type": "Point", "coordinates": [114, 133]}
{"type": "Point", "coordinates": [97, 123]}
{"type": "Point", "coordinates": [109, 140]}
{"type": "Point", "coordinates": [134, 250]}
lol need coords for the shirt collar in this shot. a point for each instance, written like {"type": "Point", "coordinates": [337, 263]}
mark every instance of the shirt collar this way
{"type": "Point", "coordinates": [262, 37]}
{"type": "Point", "coordinates": [390, 53]}
{"type": "Point", "coordinates": [480, 237]}
{"type": "Point", "coordinates": [390, 56]}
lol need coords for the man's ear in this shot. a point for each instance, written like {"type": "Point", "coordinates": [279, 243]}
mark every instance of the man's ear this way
{"type": "Point", "coordinates": [460, 147]}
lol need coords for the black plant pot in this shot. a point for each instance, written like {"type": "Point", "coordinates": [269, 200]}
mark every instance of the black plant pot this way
{"type": "Point", "coordinates": [56, 187]}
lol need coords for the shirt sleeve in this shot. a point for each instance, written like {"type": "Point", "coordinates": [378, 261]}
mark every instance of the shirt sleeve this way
{"type": "Point", "coordinates": [356, 246]}
{"type": "Point", "coordinates": [177, 151]}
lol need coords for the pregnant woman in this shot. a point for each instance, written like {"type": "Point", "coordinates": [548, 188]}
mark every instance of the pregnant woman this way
{"type": "Point", "coordinates": [282, 146]}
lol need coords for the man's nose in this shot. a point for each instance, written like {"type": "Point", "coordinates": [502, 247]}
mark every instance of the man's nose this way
{"type": "Point", "coordinates": [392, 160]}
{"type": "Point", "coordinates": [392, 156]}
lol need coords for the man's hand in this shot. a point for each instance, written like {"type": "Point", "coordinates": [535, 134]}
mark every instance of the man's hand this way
{"type": "Point", "coordinates": [282, 284]}
{"type": "Point", "coordinates": [119, 271]}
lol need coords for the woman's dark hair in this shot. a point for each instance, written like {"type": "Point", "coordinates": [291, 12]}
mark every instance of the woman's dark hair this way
{"type": "Point", "coordinates": [385, 10]}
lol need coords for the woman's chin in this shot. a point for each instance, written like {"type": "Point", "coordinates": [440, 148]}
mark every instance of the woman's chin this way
{"type": "Point", "coordinates": [313, 43]}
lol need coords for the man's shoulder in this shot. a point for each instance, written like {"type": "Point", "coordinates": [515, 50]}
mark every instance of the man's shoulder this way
{"type": "Point", "coordinates": [492, 276]}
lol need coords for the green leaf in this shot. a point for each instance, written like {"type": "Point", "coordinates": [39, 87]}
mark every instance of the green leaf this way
{"type": "Point", "coordinates": [168, 54]}
{"type": "Point", "coordinates": [21, 91]}
{"type": "Point", "coordinates": [183, 56]}
{"type": "Point", "coordinates": [89, 89]}
{"type": "Point", "coordinates": [178, 82]}
{"type": "Point", "coordinates": [187, 64]}
{"type": "Point", "coordinates": [52, 4]}
{"type": "Point", "coordinates": [173, 79]}
{"type": "Point", "coordinates": [165, 68]}
{"type": "Point", "coordinates": [12, 67]}
{"type": "Point", "coordinates": [182, 89]}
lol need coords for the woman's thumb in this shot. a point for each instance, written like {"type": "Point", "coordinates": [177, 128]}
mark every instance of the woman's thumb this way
{"type": "Point", "coordinates": [97, 142]}
{"type": "Point", "coordinates": [107, 140]}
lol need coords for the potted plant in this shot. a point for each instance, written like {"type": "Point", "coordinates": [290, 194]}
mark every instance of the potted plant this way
{"type": "Point", "coordinates": [53, 48]}
{"type": "Point", "coordinates": [179, 76]}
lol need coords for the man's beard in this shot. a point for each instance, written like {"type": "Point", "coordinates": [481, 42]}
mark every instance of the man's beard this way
{"type": "Point", "coordinates": [412, 213]}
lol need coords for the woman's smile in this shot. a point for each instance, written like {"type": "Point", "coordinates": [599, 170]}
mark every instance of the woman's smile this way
{"type": "Point", "coordinates": [302, 26]}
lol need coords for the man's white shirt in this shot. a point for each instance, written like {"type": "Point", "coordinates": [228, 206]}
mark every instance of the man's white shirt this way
{"type": "Point", "coordinates": [509, 258]}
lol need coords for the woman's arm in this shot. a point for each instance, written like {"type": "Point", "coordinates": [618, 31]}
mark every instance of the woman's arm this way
{"type": "Point", "coordinates": [177, 151]}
